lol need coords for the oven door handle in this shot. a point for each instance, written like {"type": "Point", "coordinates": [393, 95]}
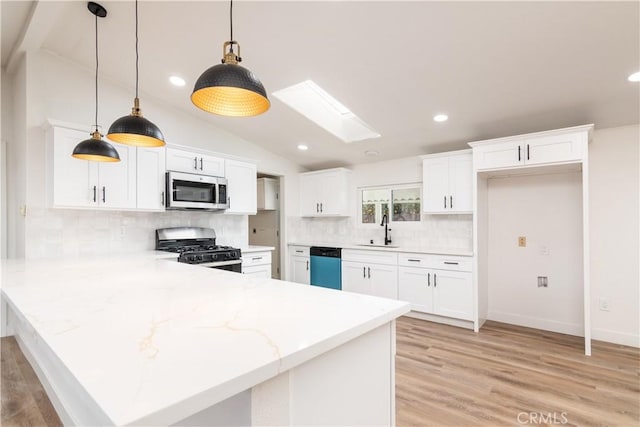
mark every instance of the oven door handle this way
{"type": "Point", "coordinates": [219, 263]}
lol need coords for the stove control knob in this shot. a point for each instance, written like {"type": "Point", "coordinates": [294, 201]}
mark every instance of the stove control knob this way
{"type": "Point", "coordinates": [199, 257]}
{"type": "Point", "coordinates": [214, 257]}
{"type": "Point", "coordinates": [191, 257]}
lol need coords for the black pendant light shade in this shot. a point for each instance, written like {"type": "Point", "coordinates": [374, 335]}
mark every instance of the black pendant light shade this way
{"type": "Point", "coordinates": [229, 89]}
{"type": "Point", "coordinates": [135, 129]}
{"type": "Point", "coordinates": [96, 150]}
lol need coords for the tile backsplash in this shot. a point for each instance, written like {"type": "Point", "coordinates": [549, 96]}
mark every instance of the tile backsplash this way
{"type": "Point", "coordinates": [435, 232]}
{"type": "Point", "coordinates": [73, 232]}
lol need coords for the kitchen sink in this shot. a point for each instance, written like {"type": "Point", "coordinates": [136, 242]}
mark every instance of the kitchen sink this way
{"type": "Point", "coordinates": [376, 246]}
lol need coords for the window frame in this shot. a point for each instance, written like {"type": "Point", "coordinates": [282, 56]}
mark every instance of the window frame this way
{"type": "Point", "coordinates": [390, 189]}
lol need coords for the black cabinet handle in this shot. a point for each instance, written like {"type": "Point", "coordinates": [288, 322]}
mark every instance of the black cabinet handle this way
{"type": "Point", "coordinates": [451, 202]}
{"type": "Point", "coordinates": [445, 202]}
{"type": "Point", "coordinates": [255, 258]}
{"type": "Point", "coordinates": [195, 163]}
{"type": "Point", "coordinates": [104, 194]}
{"type": "Point", "coordinates": [320, 207]}
{"type": "Point", "coordinates": [364, 272]}
{"type": "Point", "coordinates": [95, 189]}
{"type": "Point", "coordinates": [435, 280]}
{"type": "Point", "coordinates": [162, 199]}
{"type": "Point", "coordinates": [450, 263]}
{"type": "Point", "coordinates": [413, 260]}
{"type": "Point", "coordinates": [519, 153]}
{"type": "Point", "coordinates": [307, 265]}
{"type": "Point", "coordinates": [527, 151]}
{"type": "Point", "coordinates": [369, 272]}
{"type": "Point", "coordinates": [200, 163]}
{"type": "Point", "coordinates": [428, 279]}
{"type": "Point", "coordinates": [317, 207]}
{"type": "Point", "coordinates": [299, 251]}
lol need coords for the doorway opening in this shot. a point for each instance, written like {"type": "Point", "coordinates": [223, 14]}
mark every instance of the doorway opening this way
{"type": "Point", "coordinates": [264, 226]}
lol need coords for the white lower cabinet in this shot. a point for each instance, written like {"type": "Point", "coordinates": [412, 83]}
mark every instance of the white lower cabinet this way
{"type": "Point", "coordinates": [299, 265]}
{"type": "Point", "coordinates": [446, 290]}
{"type": "Point", "coordinates": [371, 279]}
{"type": "Point", "coordinates": [257, 264]}
{"type": "Point", "coordinates": [363, 273]}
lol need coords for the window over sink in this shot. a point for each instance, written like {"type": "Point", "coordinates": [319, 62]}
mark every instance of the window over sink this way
{"type": "Point", "coordinates": [403, 201]}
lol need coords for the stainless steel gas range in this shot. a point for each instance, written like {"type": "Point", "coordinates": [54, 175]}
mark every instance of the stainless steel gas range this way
{"type": "Point", "coordinates": [196, 245]}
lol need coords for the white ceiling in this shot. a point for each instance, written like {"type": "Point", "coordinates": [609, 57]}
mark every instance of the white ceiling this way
{"type": "Point", "coordinates": [496, 68]}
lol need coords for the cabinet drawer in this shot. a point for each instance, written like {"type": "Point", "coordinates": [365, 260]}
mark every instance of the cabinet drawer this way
{"type": "Point", "coordinates": [299, 250]}
{"type": "Point", "coordinates": [371, 257]}
{"type": "Point", "coordinates": [441, 262]}
{"type": "Point", "coordinates": [256, 258]}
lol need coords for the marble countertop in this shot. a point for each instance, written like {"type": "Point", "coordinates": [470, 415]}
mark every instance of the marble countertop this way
{"type": "Point", "coordinates": [153, 341]}
{"type": "Point", "coordinates": [255, 248]}
{"type": "Point", "coordinates": [403, 249]}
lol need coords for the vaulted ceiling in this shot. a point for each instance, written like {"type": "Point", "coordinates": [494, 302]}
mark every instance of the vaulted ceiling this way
{"type": "Point", "coordinates": [496, 68]}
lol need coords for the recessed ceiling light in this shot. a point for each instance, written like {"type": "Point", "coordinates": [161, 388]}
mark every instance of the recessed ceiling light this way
{"type": "Point", "coordinates": [303, 147]}
{"type": "Point", "coordinates": [177, 81]}
{"type": "Point", "coordinates": [440, 117]}
{"type": "Point", "coordinates": [313, 102]}
{"type": "Point", "coordinates": [635, 77]}
{"type": "Point", "coordinates": [371, 153]}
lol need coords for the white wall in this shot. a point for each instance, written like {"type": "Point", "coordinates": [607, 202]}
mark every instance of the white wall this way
{"type": "Point", "coordinates": [615, 214]}
{"type": "Point", "coordinates": [59, 89]}
{"type": "Point", "coordinates": [547, 210]}
{"type": "Point", "coordinates": [436, 232]}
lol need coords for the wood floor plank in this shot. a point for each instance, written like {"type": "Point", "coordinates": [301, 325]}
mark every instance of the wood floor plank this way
{"type": "Point", "coordinates": [448, 376]}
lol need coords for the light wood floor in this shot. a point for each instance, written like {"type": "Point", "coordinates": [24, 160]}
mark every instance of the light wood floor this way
{"type": "Point", "coordinates": [24, 401]}
{"type": "Point", "coordinates": [447, 376]}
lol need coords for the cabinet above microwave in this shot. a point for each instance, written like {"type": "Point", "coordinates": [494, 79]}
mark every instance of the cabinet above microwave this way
{"type": "Point", "coordinates": [193, 162]}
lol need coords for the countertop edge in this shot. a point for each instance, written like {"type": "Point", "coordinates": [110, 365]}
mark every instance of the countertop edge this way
{"type": "Point", "coordinates": [386, 249]}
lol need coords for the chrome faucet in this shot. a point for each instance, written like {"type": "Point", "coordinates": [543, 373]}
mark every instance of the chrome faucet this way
{"type": "Point", "coordinates": [385, 222]}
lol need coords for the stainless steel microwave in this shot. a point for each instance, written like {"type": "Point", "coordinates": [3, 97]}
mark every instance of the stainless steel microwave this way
{"type": "Point", "coordinates": [191, 191]}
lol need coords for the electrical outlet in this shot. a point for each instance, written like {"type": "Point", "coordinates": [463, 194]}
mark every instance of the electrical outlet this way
{"type": "Point", "coordinates": [543, 281]}
{"type": "Point", "coordinates": [603, 303]}
{"type": "Point", "coordinates": [522, 241]}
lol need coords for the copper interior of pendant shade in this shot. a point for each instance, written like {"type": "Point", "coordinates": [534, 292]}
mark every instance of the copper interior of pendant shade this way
{"type": "Point", "coordinates": [137, 140]}
{"type": "Point", "coordinates": [230, 101]}
{"type": "Point", "coordinates": [96, 158]}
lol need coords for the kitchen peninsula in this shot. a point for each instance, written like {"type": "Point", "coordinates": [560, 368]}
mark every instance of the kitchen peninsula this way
{"type": "Point", "coordinates": [143, 340]}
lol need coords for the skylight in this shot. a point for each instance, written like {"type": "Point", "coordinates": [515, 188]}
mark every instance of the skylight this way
{"type": "Point", "coordinates": [313, 102]}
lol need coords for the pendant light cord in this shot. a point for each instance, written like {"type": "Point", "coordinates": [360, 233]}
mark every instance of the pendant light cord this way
{"type": "Point", "coordinates": [137, 56]}
{"type": "Point", "coordinates": [96, 122]}
{"type": "Point", "coordinates": [231, 23]}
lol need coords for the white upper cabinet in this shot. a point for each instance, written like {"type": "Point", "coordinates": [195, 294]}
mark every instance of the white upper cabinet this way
{"type": "Point", "coordinates": [84, 184]}
{"type": "Point", "coordinates": [447, 182]}
{"type": "Point", "coordinates": [543, 148]}
{"type": "Point", "coordinates": [267, 194]}
{"type": "Point", "coordinates": [194, 162]}
{"type": "Point", "coordinates": [325, 193]}
{"type": "Point", "coordinates": [241, 187]}
{"type": "Point", "coordinates": [151, 179]}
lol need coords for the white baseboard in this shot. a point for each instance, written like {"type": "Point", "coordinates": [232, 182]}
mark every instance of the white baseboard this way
{"type": "Point", "coordinates": [537, 323]}
{"type": "Point", "coordinates": [439, 319]}
{"type": "Point", "coordinates": [622, 338]}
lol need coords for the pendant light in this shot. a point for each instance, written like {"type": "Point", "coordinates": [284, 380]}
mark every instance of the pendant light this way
{"type": "Point", "coordinates": [135, 129]}
{"type": "Point", "coordinates": [94, 148]}
{"type": "Point", "coordinates": [228, 89]}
